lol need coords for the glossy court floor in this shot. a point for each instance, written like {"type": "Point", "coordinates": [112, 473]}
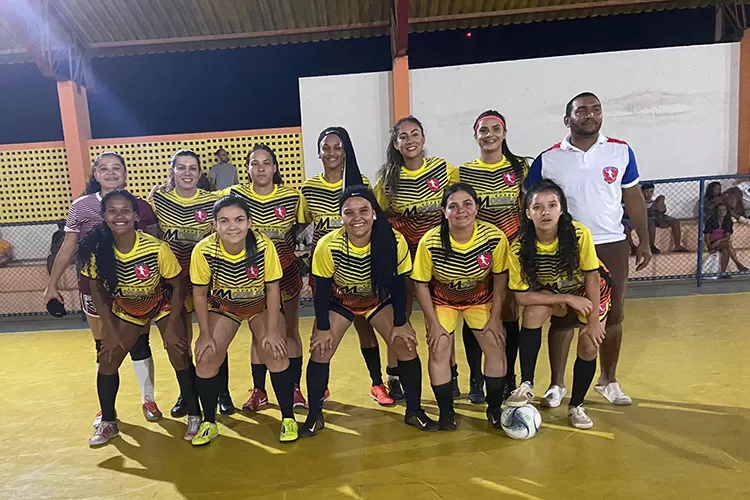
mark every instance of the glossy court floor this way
{"type": "Point", "coordinates": [687, 434]}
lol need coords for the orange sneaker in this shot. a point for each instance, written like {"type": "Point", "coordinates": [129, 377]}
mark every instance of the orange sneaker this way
{"type": "Point", "coordinates": [380, 394]}
{"type": "Point", "coordinates": [258, 399]}
{"type": "Point", "coordinates": [299, 399]}
{"type": "Point", "coordinates": [327, 395]}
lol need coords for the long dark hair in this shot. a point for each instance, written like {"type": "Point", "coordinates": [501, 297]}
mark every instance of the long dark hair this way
{"type": "Point", "coordinates": [100, 243]}
{"type": "Point", "coordinates": [262, 147]}
{"type": "Point", "coordinates": [390, 173]}
{"type": "Point", "coordinates": [445, 234]}
{"type": "Point", "coordinates": [352, 173]}
{"type": "Point", "coordinates": [251, 245]}
{"type": "Point", "coordinates": [383, 245]}
{"type": "Point", "coordinates": [92, 185]}
{"type": "Point", "coordinates": [178, 153]}
{"type": "Point", "coordinates": [567, 251]}
{"type": "Point", "coordinates": [515, 161]}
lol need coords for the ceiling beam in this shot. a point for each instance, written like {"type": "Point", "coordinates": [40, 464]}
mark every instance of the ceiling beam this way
{"type": "Point", "coordinates": [399, 28]}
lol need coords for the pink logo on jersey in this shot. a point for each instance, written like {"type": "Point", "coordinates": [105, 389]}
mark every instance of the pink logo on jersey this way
{"type": "Point", "coordinates": [142, 272]}
{"type": "Point", "coordinates": [484, 260]}
{"type": "Point", "coordinates": [510, 179]}
{"type": "Point", "coordinates": [200, 215]}
{"type": "Point", "coordinates": [433, 185]}
{"type": "Point", "coordinates": [280, 213]}
{"type": "Point", "coordinates": [610, 174]}
{"type": "Point", "coordinates": [252, 272]}
{"type": "Point", "coordinates": [603, 308]}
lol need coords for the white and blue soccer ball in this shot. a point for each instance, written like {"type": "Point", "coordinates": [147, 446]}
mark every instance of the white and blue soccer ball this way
{"type": "Point", "coordinates": [521, 423]}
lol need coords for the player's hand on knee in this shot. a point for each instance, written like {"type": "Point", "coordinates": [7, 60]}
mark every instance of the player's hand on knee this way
{"type": "Point", "coordinates": [321, 340]}
{"type": "Point", "coordinates": [434, 333]}
{"type": "Point", "coordinates": [495, 329]}
{"type": "Point", "coordinates": [594, 330]}
{"type": "Point", "coordinates": [581, 305]}
{"type": "Point", "coordinates": [203, 345]}
{"type": "Point", "coordinates": [276, 344]}
{"type": "Point", "coordinates": [407, 335]}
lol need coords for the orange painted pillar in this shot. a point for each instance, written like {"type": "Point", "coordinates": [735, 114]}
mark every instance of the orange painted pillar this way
{"type": "Point", "coordinates": [743, 139]}
{"type": "Point", "coordinates": [74, 109]}
{"type": "Point", "coordinates": [401, 88]}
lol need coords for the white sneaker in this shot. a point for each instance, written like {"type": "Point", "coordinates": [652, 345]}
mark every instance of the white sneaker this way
{"type": "Point", "coordinates": [553, 397]}
{"type": "Point", "coordinates": [578, 418]}
{"type": "Point", "coordinates": [103, 433]}
{"type": "Point", "coordinates": [522, 396]}
{"type": "Point", "coordinates": [743, 220]}
{"type": "Point", "coordinates": [193, 424]}
{"type": "Point", "coordinates": [613, 394]}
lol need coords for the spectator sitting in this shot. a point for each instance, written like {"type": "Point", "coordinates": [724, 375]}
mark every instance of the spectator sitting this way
{"type": "Point", "coordinates": [57, 240]}
{"type": "Point", "coordinates": [657, 217]}
{"type": "Point", "coordinates": [733, 198]}
{"type": "Point", "coordinates": [718, 238]}
{"type": "Point", "coordinates": [6, 253]}
{"type": "Point", "coordinates": [223, 174]}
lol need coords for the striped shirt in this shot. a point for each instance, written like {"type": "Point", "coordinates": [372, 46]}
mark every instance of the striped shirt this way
{"type": "Point", "coordinates": [85, 213]}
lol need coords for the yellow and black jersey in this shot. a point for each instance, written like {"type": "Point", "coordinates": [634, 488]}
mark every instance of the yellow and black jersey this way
{"type": "Point", "coordinates": [550, 265]}
{"type": "Point", "coordinates": [140, 291]}
{"type": "Point", "coordinates": [499, 191]}
{"type": "Point", "coordinates": [321, 205]}
{"type": "Point", "coordinates": [184, 221]}
{"type": "Point", "coordinates": [236, 288]}
{"type": "Point", "coordinates": [463, 277]}
{"type": "Point", "coordinates": [350, 267]}
{"type": "Point", "coordinates": [274, 215]}
{"type": "Point", "coordinates": [415, 208]}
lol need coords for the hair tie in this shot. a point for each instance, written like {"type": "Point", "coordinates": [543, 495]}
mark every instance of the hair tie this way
{"type": "Point", "coordinates": [479, 122]}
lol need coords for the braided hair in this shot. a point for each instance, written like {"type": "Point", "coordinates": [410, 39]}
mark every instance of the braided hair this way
{"type": "Point", "coordinates": [516, 162]}
{"type": "Point", "coordinates": [263, 147]}
{"type": "Point", "coordinates": [352, 174]}
{"type": "Point", "coordinates": [390, 173]}
{"type": "Point", "coordinates": [92, 185]}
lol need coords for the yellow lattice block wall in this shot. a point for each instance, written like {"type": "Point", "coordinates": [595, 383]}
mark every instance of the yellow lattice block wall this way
{"type": "Point", "coordinates": [34, 184]}
{"type": "Point", "coordinates": [148, 157]}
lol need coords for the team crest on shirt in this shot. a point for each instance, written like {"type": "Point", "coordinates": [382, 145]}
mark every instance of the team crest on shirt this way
{"type": "Point", "coordinates": [200, 215]}
{"type": "Point", "coordinates": [252, 272]}
{"type": "Point", "coordinates": [484, 260]}
{"type": "Point", "coordinates": [433, 185]}
{"type": "Point", "coordinates": [602, 308]}
{"type": "Point", "coordinates": [142, 272]}
{"type": "Point", "coordinates": [610, 174]}
{"type": "Point", "coordinates": [510, 179]}
{"type": "Point", "coordinates": [280, 213]}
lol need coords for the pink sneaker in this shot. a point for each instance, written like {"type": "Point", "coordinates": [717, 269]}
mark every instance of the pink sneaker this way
{"type": "Point", "coordinates": [258, 399]}
{"type": "Point", "coordinates": [299, 399]}
{"type": "Point", "coordinates": [380, 394]}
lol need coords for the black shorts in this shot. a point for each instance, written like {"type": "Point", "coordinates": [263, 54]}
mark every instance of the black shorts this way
{"type": "Point", "coordinates": [347, 313]}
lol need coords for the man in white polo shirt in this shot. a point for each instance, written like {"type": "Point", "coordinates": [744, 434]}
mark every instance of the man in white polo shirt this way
{"type": "Point", "coordinates": [597, 174]}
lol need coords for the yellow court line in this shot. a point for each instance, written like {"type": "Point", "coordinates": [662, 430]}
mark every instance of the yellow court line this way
{"type": "Point", "coordinates": [342, 430]}
{"type": "Point", "coordinates": [264, 447]}
{"type": "Point", "coordinates": [602, 410]}
{"type": "Point", "coordinates": [334, 412]}
{"type": "Point", "coordinates": [528, 481]}
{"type": "Point", "coordinates": [605, 435]}
{"type": "Point", "coordinates": [501, 489]}
{"type": "Point", "coordinates": [658, 406]}
{"type": "Point", "coordinates": [349, 491]}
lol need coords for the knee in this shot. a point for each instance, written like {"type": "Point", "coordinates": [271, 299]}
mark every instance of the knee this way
{"type": "Point", "coordinates": [404, 354]}
{"type": "Point", "coordinates": [277, 365]}
{"type": "Point", "coordinates": [208, 366]}
{"type": "Point", "coordinates": [587, 351]}
{"type": "Point", "coordinates": [535, 316]}
{"type": "Point", "coordinates": [111, 366]}
{"type": "Point", "coordinates": [442, 354]}
{"type": "Point", "coordinates": [178, 359]}
{"type": "Point", "coordinates": [141, 349]}
{"type": "Point", "coordinates": [321, 358]}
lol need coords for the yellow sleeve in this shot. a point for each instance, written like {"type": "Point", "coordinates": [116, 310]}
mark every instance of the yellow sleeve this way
{"type": "Point", "coordinates": [303, 211]}
{"type": "Point", "coordinates": [587, 251]}
{"type": "Point", "coordinates": [367, 182]}
{"type": "Point", "coordinates": [200, 272]}
{"type": "Point", "coordinates": [168, 265]}
{"type": "Point", "coordinates": [224, 192]}
{"type": "Point", "coordinates": [422, 262]}
{"type": "Point", "coordinates": [453, 177]}
{"type": "Point", "coordinates": [90, 269]}
{"type": "Point", "coordinates": [322, 261]}
{"type": "Point", "coordinates": [500, 255]}
{"type": "Point", "coordinates": [516, 281]}
{"type": "Point", "coordinates": [404, 257]}
{"type": "Point", "coordinates": [273, 271]}
{"type": "Point", "coordinates": [381, 196]}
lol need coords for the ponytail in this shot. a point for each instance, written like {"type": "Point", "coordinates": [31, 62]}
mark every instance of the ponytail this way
{"type": "Point", "coordinates": [516, 163]}
{"type": "Point", "coordinates": [263, 147]}
{"type": "Point", "coordinates": [390, 173]}
{"type": "Point", "coordinates": [352, 172]}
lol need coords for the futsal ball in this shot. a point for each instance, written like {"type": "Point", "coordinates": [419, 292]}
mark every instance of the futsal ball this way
{"type": "Point", "coordinates": [521, 423]}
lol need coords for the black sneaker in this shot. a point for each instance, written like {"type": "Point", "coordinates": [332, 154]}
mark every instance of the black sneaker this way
{"type": "Point", "coordinates": [394, 390]}
{"type": "Point", "coordinates": [493, 416]}
{"type": "Point", "coordinates": [312, 426]}
{"type": "Point", "coordinates": [420, 420]}
{"type": "Point", "coordinates": [447, 421]}
{"type": "Point", "coordinates": [455, 391]}
{"type": "Point", "coordinates": [509, 387]}
{"type": "Point", "coordinates": [226, 406]}
{"type": "Point", "coordinates": [179, 409]}
{"type": "Point", "coordinates": [476, 391]}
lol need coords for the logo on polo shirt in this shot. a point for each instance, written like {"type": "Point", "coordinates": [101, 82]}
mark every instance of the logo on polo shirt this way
{"type": "Point", "coordinates": [510, 179]}
{"type": "Point", "coordinates": [610, 174]}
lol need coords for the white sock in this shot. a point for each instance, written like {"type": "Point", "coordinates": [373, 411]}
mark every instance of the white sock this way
{"type": "Point", "coordinates": [144, 372]}
{"type": "Point", "coordinates": [392, 377]}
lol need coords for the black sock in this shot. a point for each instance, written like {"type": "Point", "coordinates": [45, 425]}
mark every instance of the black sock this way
{"type": "Point", "coordinates": [454, 371]}
{"type": "Point", "coordinates": [372, 360]}
{"type": "Point", "coordinates": [392, 371]}
{"type": "Point", "coordinates": [317, 381]}
{"type": "Point", "coordinates": [259, 376]}
{"type": "Point", "coordinates": [296, 366]}
{"type": "Point", "coordinates": [283, 387]}
{"type": "Point", "coordinates": [473, 353]}
{"type": "Point", "coordinates": [106, 388]}
{"type": "Point", "coordinates": [186, 381]}
{"type": "Point", "coordinates": [224, 375]}
{"type": "Point", "coordinates": [411, 381]}
{"type": "Point", "coordinates": [512, 334]}
{"type": "Point", "coordinates": [529, 343]}
{"type": "Point", "coordinates": [495, 390]}
{"type": "Point", "coordinates": [444, 398]}
{"type": "Point", "coordinates": [583, 375]}
{"type": "Point", "coordinates": [208, 391]}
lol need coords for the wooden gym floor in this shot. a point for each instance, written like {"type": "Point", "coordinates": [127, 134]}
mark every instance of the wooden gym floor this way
{"type": "Point", "coordinates": [687, 434]}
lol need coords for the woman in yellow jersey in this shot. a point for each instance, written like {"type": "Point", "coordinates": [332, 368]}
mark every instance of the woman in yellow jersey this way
{"type": "Point", "coordinates": [235, 274]}
{"type": "Point", "coordinates": [321, 197]}
{"type": "Point", "coordinates": [349, 282]}
{"type": "Point", "coordinates": [461, 270]}
{"type": "Point", "coordinates": [275, 210]}
{"type": "Point", "coordinates": [554, 271]}
{"type": "Point", "coordinates": [185, 215]}
{"type": "Point", "coordinates": [409, 189]}
{"type": "Point", "coordinates": [135, 279]}
{"type": "Point", "coordinates": [496, 176]}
